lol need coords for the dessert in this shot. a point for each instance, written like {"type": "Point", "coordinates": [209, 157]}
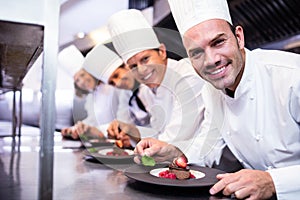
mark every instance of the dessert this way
{"type": "Point", "coordinates": [180, 172]}
{"type": "Point", "coordinates": [117, 149]}
{"type": "Point", "coordinates": [117, 152]}
{"type": "Point", "coordinates": [178, 169]}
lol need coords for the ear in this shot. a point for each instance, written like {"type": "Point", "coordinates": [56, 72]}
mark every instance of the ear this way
{"type": "Point", "coordinates": [239, 33]}
{"type": "Point", "coordinates": [162, 51]}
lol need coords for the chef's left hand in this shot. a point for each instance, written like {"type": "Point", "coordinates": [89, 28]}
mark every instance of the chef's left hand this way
{"type": "Point", "coordinates": [246, 183]}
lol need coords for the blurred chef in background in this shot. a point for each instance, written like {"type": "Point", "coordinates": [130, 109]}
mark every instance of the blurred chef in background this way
{"type": "Point", "coordinates": [130, 108]}
{"type": "Point", "coordinates": [102, 99]}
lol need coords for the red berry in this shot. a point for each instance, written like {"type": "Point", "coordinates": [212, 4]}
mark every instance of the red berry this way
{"type": "Point", "coordinates": [171, 176]}
{"type": "Point", "coordinates": [192, 176]}
{"type": "Point", "coordinates": [181, 162]}
{"type": "Point", "coordinates": [163, 173]}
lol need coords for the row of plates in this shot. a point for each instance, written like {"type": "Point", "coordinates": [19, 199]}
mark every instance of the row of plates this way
{"type": "Point", "coordinates": [204, 176]}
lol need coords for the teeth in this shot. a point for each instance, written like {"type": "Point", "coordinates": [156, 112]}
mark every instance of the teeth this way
{"type": "Point", "coordinates": [218, 71]}
{"type": "Point", "coordinates": [148, 76]}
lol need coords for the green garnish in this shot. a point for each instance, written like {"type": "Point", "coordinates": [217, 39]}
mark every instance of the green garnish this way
{"type": "Point", "coordinates": [84, 137]}
{"type": "Point", "coordinates": [92, 150]}
{"type": "Point", "coordinates": [148, 161]}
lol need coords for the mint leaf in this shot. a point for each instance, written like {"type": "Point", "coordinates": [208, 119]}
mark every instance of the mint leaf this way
{"type": "Point", "coordinates": [92, 150]}
{"type": "Point", "coordinates": [148, 161]}
{"type": "Point", "coordinates": [84, 137]}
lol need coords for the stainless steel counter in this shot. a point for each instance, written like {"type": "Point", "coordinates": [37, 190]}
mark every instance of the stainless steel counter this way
{"type": "Point", "coordinates": [74, 177]}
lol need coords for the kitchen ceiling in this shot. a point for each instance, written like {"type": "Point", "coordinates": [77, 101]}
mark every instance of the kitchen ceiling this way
{"type": "Point", "coordinates": [273, 24]}
{"type": "Point", "coordinates": [268, 23]}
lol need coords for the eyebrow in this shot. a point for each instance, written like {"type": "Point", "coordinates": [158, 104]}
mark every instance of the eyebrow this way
{"type": "Point", "coordinates": [216, 38]}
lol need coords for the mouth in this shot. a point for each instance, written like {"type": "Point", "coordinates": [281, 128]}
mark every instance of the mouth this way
{"type": "Point", "coordinates": [147, 76]}
{"type": "Point", "coordinates": [217, 71]}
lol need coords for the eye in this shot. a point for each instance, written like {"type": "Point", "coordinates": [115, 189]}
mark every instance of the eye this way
{"type": "Point", "coordinates": [111, 83]}
{"type": "Point", "coordinates": [145, 59]}
{"type": "Point", "coordinates": [115, 76]}
{"type": "Point", "coordinates": [218, 42]}
{"type": "Point", "coordinates": [132, 67]}
{"type": "Point", "coordinates": [195, 53]}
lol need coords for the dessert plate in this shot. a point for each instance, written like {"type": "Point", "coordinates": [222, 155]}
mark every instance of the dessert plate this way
{"type": "Point", "coordinates": [206, 176]}
{"type": "Point", "coordinates": [98, 142]}
{"type": "Point", "coordinates": [100, 153]}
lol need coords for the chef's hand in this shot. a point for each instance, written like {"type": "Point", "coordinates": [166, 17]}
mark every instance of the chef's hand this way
{"type": "Point", "coordinates": [70, 132]}
{"type": "Point", "coordinates": [91, 131]}
{"type": "Point", "coordinates": [118, 130]}
{"type": "Point", "coordinates": [159, 150]}
{"type": "Point", "coordinates": [245, 184]}
{"type": "Point", "coordinates": [81, 127]}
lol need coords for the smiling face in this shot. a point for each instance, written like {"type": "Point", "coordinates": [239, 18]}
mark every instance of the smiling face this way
{"type": "Point", "coordinates": [216, 53]}
{"type": "Point", "coordinates": [149, 66]}
{"type": "Point", "coordinates": [85, 80]}
{"type": "Point", "coordinates": [122, 78]}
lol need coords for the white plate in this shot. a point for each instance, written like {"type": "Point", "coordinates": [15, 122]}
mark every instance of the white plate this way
{"type": "Point", "coordinates": [197, 174]}
{"type": "Point", "coordinates": [105, 151]}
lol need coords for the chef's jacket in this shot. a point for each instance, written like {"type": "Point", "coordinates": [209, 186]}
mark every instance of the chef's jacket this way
{"type": "Point", "coordinates": [130, 111]}
{"type": "Point", "coordinates": [176, 106]}
{"type": "Point", "coordinates": [261, 123]}
{"type": "Point", "coordinates": [101, 105]}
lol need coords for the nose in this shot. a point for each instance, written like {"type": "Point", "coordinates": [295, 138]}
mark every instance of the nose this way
{"type": "Point", "coordinates": [212, 58]}
{"type": "Point", "coordinates": [118, 83]}
{"type": "Point", "coordinates": [141, 69]}
{"type": "Point", "coordinates": [80, 83]}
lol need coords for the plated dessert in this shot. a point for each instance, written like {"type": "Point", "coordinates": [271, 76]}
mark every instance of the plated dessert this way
{"type": "Point", "coordinates": [116, 151]}
{"type": "Point", "coordinates": [201, 176]}
{"type": "Point", "coordinates": [178, 169]}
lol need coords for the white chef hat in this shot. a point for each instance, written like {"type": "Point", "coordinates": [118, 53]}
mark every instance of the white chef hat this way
{"type": "Point", "coordinates": [101, 62]}
{"type": "Point", "coordinates": [71, 59]}
{"type": "Point", "coordinates": [131, 33]}
{"type": "Point", "coordinates": [192, 12]}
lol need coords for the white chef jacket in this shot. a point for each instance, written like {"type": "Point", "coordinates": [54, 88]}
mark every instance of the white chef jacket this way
{"type": "Point", "coordinates": [101, 105]}
{"type": "Point", "coordinates": [123, 107]}
{"type": "Point", "coordinates": [206, 148]}
{"type": "Point", "coordinates": [125, 110]}
{"type": "Point", "coordinates": [176, 106]}
{"type": "Point", "coordinates": [262, 122]}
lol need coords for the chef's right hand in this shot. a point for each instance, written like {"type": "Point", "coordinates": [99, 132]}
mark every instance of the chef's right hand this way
{"type": "Point", "coordinates": [159, 150]}
{"type": "Point", "coordinates": [70, 132]}
{"type": "Point", "coordinates": [118, 130]}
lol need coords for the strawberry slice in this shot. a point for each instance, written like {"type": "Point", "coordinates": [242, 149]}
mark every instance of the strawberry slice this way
{"type": "Point", "coordinates": [181, 162]}
{"type": "Point", "coordinates": [119, 143]}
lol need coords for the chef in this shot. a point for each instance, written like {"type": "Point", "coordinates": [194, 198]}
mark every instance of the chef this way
{"type": "Point", "coordinates": [102, 100]}
{"type": "Point", "coordinates": [258, 94]}
{"type": "Point", "coordinates": [130, 108]}
{"type": "Point", "coordinates": [174, 101]}
{"type": "Point", "coordinates": [126, 106]}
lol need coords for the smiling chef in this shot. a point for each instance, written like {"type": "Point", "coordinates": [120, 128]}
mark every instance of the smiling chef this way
{"type": "Point", "coordinates": [174, 101]}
